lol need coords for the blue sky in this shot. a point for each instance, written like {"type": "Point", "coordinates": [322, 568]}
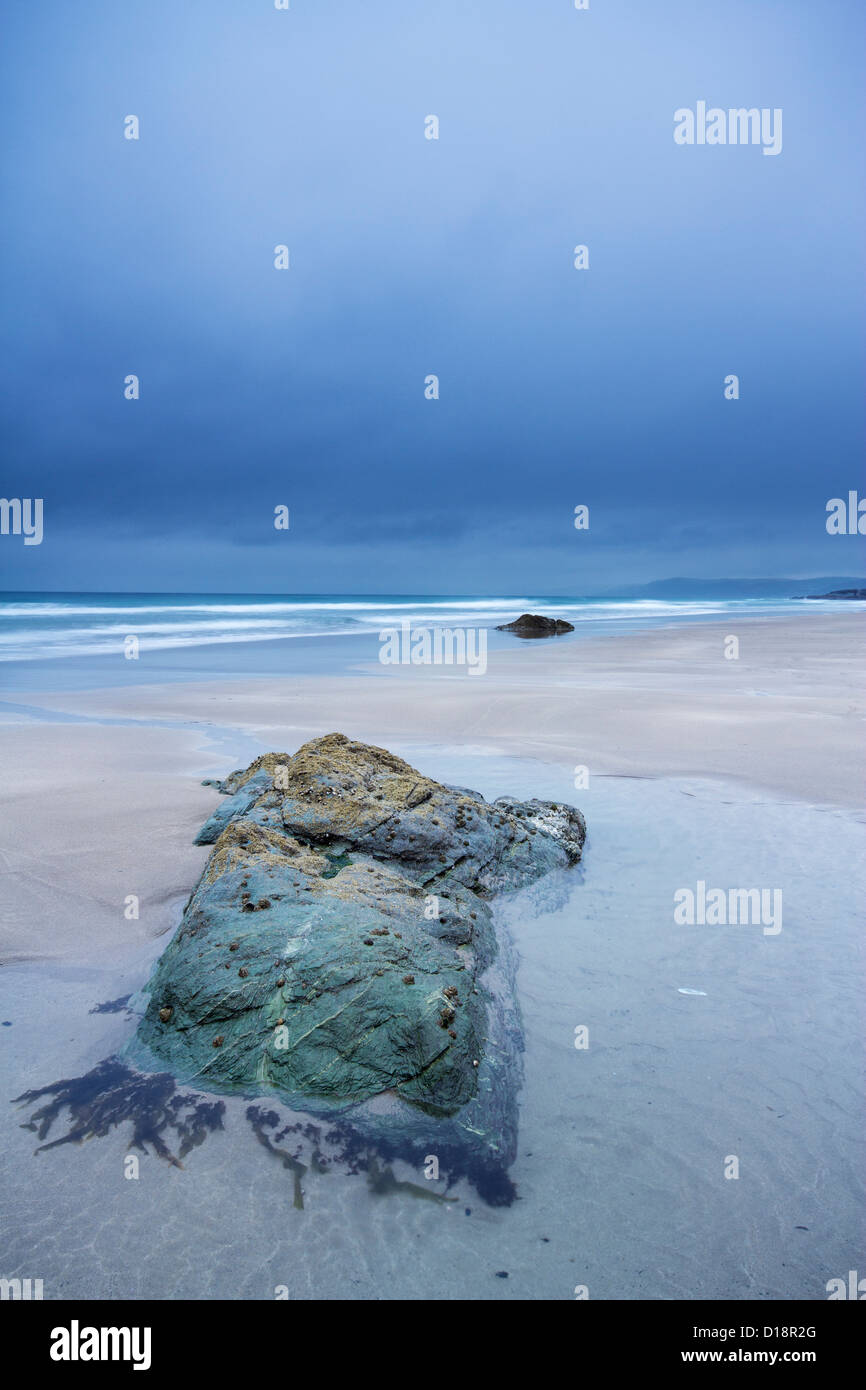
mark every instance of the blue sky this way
{"type": "Point", "coordinates": [410, 257]}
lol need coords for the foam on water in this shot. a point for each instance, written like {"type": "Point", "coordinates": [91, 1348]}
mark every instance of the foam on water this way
{"type": "Point", "coordinates": [81, 626]}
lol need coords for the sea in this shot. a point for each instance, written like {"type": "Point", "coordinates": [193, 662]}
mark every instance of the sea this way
{"type": "Point", "coordinates": [60, 641]}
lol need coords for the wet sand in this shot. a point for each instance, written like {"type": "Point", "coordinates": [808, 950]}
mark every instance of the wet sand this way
{"type": "Point", "coordinates": [102, 812]}
{"type": "Point", "coordinates": [737, 773]}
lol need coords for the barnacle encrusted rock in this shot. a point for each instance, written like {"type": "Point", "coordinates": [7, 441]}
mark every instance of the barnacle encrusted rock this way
{"type": "Point", "coordinates": [349, 893]}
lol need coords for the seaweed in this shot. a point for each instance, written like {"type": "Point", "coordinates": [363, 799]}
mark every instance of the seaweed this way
{"type": "Point", "coordinates": [113, 1094]}
{"type": "Point", "coordinates": [456, 1159]}
{"type": "Point", "coordinates": [262, 1120]}
{"type": "Point", "coordinates": [382, 1183]}
{"type": "Point", "coordinates": [112, 1006]}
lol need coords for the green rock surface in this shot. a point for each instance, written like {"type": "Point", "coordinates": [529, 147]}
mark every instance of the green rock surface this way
{"type": "Point", "coordinates": [339, 949]}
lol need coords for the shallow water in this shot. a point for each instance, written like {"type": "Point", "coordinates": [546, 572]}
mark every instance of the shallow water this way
{"type": "Point", "coordinates": [60, 642]}
{"type": "Point", "coordinates": [623, 1145]}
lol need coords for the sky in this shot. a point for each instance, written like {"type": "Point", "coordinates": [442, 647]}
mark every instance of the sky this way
{"type": "Point", "coordinates": [411, 257]}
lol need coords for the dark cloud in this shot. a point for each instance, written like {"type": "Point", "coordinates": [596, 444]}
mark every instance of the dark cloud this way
{"type": "Point", "coordinates": [411, 257]}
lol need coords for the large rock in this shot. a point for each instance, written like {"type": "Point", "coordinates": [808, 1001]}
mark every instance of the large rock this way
{"type": "Point", "coordinates": [535, 625]}
{"type": "Point", "coordinates": [339, 949]}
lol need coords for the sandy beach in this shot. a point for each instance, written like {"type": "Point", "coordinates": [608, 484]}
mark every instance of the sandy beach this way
{"type": "Point", "coordinates": [786, 717]}
{"type": "Point", "coordinates": [706, 1044]}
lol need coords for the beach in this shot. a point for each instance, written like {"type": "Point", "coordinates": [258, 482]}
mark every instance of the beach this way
{"type": "Point", "coordinates": [704, 1042]}
{"type": "Point", "coordinates": [432, 675]}
{"type": "Point", "coordinates": [125, 802]}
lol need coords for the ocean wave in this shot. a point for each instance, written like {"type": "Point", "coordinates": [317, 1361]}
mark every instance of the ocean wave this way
{"type": "Point", "coordinates": [36, 629]}
{"type": "Point", "coordinates": [59, 648]}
